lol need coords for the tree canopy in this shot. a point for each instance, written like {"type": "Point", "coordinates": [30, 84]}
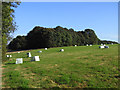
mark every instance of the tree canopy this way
{"type": "Point", "coordinates": [41, 37]}
{"type": "Point", "coordinates": [8, 23]}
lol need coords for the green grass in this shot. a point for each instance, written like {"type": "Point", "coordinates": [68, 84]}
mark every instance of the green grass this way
{"type": "Point", "coordinates": [76, 67]}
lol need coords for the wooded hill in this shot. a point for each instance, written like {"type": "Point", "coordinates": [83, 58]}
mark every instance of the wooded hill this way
{"type": "Point", "coordinates": [41, 37]}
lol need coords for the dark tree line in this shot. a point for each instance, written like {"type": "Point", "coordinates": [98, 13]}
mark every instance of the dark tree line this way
{"type": "Point", "coordinates": [108, 42]}
{"type": "Point", "coordinates": [41, 37]}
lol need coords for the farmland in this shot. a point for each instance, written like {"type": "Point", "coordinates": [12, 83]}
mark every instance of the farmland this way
{"type": "Point", "coordinates": [76, 67]}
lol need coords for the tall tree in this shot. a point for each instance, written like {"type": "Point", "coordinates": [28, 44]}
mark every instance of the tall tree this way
{"type": "Point", "coordinates": [8, 23]}
{"type": "Point", "coordinates": [0, 32]}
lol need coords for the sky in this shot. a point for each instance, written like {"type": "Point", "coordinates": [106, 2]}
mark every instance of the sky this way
{"type": "Point", "coordinates": [102, 17]}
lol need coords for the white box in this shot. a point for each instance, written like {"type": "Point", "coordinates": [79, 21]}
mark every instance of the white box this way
{"type": "Point", "coordinates": [19, 60]}
{"type": "Point", "coordinates": [36, 58]}
{"type": "Point", "coordinates": [90, 44]}
{"type": "Point", "coordinates": [7, 56]}
{"type": "Point", "coordinates": [62, 50]}
{"type": "Point", "coordinates": [40, 51]}
{"type": "Point", "coordinates": [10, 55]}
{"type": "Point", "coordinates": [45, 48]}
{"type": "Point", "coordinates": [29, 54]}
{"type": "Point", "coordinates": [101, 47]}
{"type": "Point", "coordinates": [75, 45]}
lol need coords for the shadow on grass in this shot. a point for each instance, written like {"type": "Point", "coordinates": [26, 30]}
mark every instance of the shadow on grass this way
{"type": "Point", "coordinates": [60, 51]}
{"type": "Point", "coordinates": [24, 57]}
{"type": "Point", "coordinates": [15, 63]}
{"type": "Point", "coordinates": [26, 61]}
{"type": "Point", "coordinates": [9, 63]}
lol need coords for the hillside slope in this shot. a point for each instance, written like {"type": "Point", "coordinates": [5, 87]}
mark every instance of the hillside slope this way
{"type": "Point", "coordinates": [76, 67]}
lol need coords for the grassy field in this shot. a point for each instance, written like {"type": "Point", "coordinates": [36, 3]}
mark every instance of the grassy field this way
{"type": "Point", "coordinates": [76, 67]}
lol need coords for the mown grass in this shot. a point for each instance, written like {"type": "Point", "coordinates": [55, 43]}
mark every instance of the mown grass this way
{"type": "Point", "coordinates": [76, 67]}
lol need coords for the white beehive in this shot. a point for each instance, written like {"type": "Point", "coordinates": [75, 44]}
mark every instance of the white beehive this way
{"type": "Point", "coordinates": [86, 44]}
{"type": "Point", "coordinates": [10, 55]}
{"type": "Point", "coordinates": [7, 56]}
{"type": "Point", "coordinates": [35, 58]}
{"type": "Point", "coordinates": [45, 48]}
{"type": "Point", "coordinates": [75, 45]}
{"type": "Point", "coordinates": [111, 43]}
{"type": "Point", "coordinates": [40, 51]}
{"type": "Point", "coordinates": [18, 52]}
{"type": "Point", "coordinates": [29, 54]}
{"type": "Point", "coordinates": [101, 46]}
{"type": "Point", "coordinates": [62, 50]}
{"type": "Point", "coordinates": [19, 60]}
{"type": "Point", "coordinates": [90, 44]}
